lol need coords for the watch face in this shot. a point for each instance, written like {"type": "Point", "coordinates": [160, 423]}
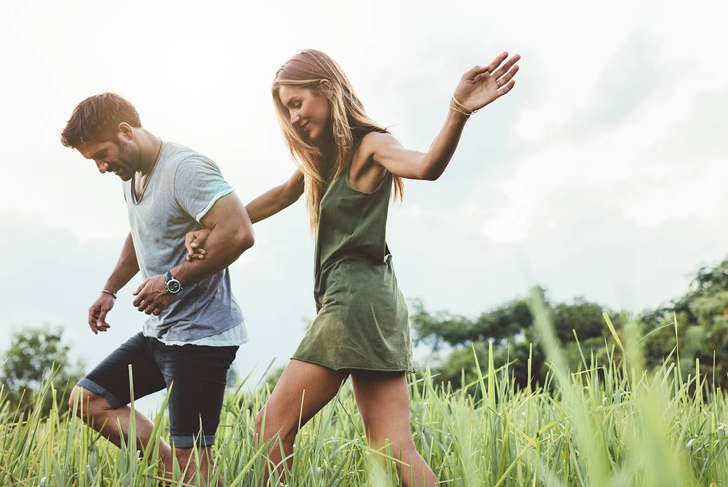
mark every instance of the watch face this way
{"type": "Point", "coordinates": [174, 286]}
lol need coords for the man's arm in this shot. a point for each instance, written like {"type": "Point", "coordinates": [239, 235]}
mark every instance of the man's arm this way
{"type": "Point", "coordinates": [231, 233]}
{"type": "Point", "coordinates": [265, 205]}
{"type": "Point", "coordinates": [125, 269]}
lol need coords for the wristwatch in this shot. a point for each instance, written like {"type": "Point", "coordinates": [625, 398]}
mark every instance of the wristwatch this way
{"type": "Point", "coordinates": [173, 285]}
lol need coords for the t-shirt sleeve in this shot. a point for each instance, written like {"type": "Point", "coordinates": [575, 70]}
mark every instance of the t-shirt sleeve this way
{"type": "Point", "coordinates": [198, 184]}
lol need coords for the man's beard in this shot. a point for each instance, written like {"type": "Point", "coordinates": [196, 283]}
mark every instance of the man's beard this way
{"type": "Point", "coordinates": [130, 158]}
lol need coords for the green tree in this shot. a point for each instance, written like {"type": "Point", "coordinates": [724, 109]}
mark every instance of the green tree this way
{"type": "Point", "coordinates": [702, 326]}
{"type": "Point", "coordinates": [35, 356]}
{"type": "Point", "coordinates": [510, 328]}
{"type": "Point", "coordinates": [693, 327]}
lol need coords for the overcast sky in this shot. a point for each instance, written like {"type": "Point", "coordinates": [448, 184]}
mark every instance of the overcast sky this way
{"type": "Point", "coordinates": [602, 174]}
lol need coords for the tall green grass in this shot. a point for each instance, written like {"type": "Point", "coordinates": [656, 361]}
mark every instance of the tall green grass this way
{"type": "Point", "coordinates": [606, 424]}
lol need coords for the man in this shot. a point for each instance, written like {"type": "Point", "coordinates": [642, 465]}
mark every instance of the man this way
{"type": "Point", "coordinates": [195, 325]}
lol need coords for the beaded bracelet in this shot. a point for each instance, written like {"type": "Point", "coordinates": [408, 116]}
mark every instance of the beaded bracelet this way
{"type": "Point", "coordinates": [109, 292]}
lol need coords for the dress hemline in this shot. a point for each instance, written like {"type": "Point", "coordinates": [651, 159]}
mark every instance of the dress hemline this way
{"type": "Point", "coordinates": [369, 369]}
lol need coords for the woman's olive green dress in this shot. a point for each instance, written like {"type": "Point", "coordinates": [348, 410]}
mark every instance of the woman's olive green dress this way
{"type": "Point", "coordinates": [362, 320]}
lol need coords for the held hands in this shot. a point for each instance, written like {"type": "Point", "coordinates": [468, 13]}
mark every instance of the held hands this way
{"type": "Point", "coordinates": [97, 313]}
{"type": "Point", "coordinates": [152, 296]}
{"type": "Point", "coordinates": [483, 85]}
{"type": "Point", "coordinates": [194, 242]}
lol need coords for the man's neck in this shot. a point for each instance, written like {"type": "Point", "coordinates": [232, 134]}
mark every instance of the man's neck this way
{"type": "Point", "coordinates": [150, 147]}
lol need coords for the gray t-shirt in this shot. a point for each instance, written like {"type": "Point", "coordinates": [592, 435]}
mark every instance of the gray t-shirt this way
{"type": "Point", "coordinates": [182, 188]}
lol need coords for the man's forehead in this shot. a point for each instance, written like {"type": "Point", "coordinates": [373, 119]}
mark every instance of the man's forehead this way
{"type": "Point", "coordinates": [88, 150]}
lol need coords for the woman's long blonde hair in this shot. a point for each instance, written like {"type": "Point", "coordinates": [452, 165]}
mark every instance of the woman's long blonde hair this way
{"type": "Point", "coordinates": [306, 69]}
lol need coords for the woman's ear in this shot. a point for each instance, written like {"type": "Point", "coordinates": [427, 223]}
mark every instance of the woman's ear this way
{"type": "Point", "coordinates": [327, 88]}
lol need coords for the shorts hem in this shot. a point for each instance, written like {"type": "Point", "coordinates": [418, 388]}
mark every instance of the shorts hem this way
{"type": "Point", "coordinates": [186, 441]}
{"type": "Point", "coordinates": [92, 386]}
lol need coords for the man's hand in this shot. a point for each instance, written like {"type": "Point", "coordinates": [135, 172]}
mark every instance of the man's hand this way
{"type": "Point", "coordinates": [97, 313]}
{"type": "Point", "coordinates": [152, 296]}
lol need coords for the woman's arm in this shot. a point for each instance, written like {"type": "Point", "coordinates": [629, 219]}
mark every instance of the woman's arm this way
{"type": "Point", "coordinates": [477, 88]}
{"type": "Point", "coordinates": [265, 205]}
{"type": "Point", "coordinates": [276, 199]}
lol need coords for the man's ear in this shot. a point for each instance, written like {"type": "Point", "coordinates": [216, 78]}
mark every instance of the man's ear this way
{"type": "Point", "coordinates": [126, 131]}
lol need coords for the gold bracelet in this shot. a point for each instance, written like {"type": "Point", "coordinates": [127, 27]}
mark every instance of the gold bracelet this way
{"type": "Point", "coordinates": [456, 109]}
{"type": "Point", "coordinates": [460, 108]}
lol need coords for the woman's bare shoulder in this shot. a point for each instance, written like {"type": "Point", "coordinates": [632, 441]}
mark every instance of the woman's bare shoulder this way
{"type": "Point", "coordinates": [375, 141]}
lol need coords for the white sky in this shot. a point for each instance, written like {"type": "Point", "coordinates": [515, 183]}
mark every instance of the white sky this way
{"type": "Point", "coordinates": [600, 175]}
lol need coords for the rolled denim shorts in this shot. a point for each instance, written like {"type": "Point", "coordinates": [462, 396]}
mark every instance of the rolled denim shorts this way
{"type": "Point", "coordinates": [195, 375]}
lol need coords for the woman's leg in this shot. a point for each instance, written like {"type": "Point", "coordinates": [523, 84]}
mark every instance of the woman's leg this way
{"type": "Point", "coordinates": [301, 392]}
{"type": "Point", "coordinates": [383, 402]}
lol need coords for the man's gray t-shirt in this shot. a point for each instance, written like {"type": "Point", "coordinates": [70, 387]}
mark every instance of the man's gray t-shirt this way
{"type": "Point", "coordinates": [182, 188]}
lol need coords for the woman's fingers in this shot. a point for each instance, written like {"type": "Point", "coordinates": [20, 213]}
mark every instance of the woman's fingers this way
{"type": "Point", "coordinates": [499, 71]}
{"type": "Point", "coordinates": [497, 61]}
{"type": "Point", "coordinates": [193, 242]}
{"type": "Point", "coordinates": [508, 76]}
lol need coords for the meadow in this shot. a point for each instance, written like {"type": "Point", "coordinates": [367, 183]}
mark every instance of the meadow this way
{"type": "Point", "coordinates": [606, 424]}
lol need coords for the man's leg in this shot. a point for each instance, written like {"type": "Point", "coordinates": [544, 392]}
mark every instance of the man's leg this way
{"type": "Point", "coordinates": [196, 377]}
{"type": "Point", "coordinates": [187, 461]}
{"type": "Point", "coordinates": [101, 399]}
{"type": "Point", "coordinates": [96, 411]}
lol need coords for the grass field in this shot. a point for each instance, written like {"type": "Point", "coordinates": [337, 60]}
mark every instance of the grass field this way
{"type": "Point", "coordinates": [610, 424]}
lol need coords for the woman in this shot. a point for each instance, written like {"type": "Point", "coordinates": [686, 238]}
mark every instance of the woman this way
{"type": "Point", "coordinates": [349, 166]}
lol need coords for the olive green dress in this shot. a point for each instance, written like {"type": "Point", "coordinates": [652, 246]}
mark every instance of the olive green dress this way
{"type": "Point", "coordinates": [362, 320]}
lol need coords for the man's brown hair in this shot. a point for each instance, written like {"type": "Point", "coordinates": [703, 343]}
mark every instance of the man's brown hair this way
{"type": "Point", "coordinates": [97, 118]}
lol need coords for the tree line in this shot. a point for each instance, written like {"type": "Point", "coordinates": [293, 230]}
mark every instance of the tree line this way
{"type": "Point", "coordinates": [692, 328]}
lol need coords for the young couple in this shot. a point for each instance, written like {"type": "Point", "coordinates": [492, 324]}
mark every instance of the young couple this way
{"type": "Point", "coordinates": [349, 167]}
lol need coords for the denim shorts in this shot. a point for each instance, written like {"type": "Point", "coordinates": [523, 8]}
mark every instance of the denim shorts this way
{"type": "Point", "coordinates": [195, 376]}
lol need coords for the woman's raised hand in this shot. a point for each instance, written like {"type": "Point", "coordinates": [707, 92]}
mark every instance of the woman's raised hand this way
{"type": "Point", "coordinates": [194, 242]}
{"type": "Point", "coordinates": [483, 85]}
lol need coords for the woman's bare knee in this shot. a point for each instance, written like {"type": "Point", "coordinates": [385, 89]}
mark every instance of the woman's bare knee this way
{"type": "Point", "coordinates": [266, 427]}
{"type": "Point", "coordinates": [259, 422]}
{"type": "Point", "coordinates": [400, 447]}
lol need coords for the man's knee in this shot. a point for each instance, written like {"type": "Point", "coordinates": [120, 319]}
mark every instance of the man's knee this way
{"type": "Point", "coordinates": [85, 403]}
{"type": "Point", "coordinates": [75, 400]}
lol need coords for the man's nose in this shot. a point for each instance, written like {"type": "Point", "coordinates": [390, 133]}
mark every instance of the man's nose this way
{"type": "Point", "coordinates": [103, 166]}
